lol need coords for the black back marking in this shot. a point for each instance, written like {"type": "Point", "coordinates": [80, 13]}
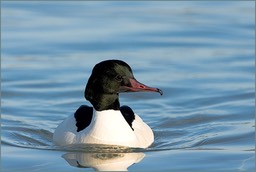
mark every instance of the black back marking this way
{"type": "Point", "coordinates": [128, 114]}
{"type": "Point", "coordinates": [83, 117]}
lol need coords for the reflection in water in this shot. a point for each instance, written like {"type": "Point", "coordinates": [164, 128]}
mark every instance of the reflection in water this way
{"type": "Point", "coordinates": [103, 161]}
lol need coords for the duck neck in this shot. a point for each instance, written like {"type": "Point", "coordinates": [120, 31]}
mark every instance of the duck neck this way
{"type": "Point", "coordinates": [106, 102]}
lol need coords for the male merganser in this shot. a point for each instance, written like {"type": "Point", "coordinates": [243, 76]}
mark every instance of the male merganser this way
{"type": "Point", "coordinates": [106, 122]}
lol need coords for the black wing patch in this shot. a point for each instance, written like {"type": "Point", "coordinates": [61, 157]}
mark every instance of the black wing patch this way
{"type": "Point", "coordinates": [128, 114]}
{"type": "Point", "coordinates": [83, 117]}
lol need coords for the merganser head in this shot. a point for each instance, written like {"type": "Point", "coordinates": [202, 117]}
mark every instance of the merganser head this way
{"type": "Point", "coordinates": [107, 80]}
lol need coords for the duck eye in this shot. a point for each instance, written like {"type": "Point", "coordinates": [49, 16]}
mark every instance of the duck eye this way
{"type": "Point", "coordinates": [119, 78]}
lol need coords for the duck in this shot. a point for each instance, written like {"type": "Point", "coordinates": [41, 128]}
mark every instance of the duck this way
{"type": "Point", "coordinates": [106, 122]}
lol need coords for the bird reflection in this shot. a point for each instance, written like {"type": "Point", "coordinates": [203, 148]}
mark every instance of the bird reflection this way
{"type": "Point", "coordinates": [103, 161]}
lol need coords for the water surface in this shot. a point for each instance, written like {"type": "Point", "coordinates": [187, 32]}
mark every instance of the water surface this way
{"type": "Point", "coordinates": [201, 54]}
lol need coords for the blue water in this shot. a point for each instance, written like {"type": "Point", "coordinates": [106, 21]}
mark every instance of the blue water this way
{"type": "Point", "coordinates": [201, 54]}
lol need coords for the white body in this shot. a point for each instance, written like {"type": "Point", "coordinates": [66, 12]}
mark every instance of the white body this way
{"type": "Point", "coordinates": [107, 127]}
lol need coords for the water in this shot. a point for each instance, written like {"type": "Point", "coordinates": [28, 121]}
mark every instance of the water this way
{"type": "Point", "coordinates": [201, 54]}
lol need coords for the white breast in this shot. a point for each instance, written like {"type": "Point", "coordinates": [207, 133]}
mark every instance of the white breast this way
{"type": "Point", "coordinates": [106, 127]}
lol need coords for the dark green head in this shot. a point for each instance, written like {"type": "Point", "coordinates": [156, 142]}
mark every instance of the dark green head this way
{"type": "Point", "coordinates": [107, 80]}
